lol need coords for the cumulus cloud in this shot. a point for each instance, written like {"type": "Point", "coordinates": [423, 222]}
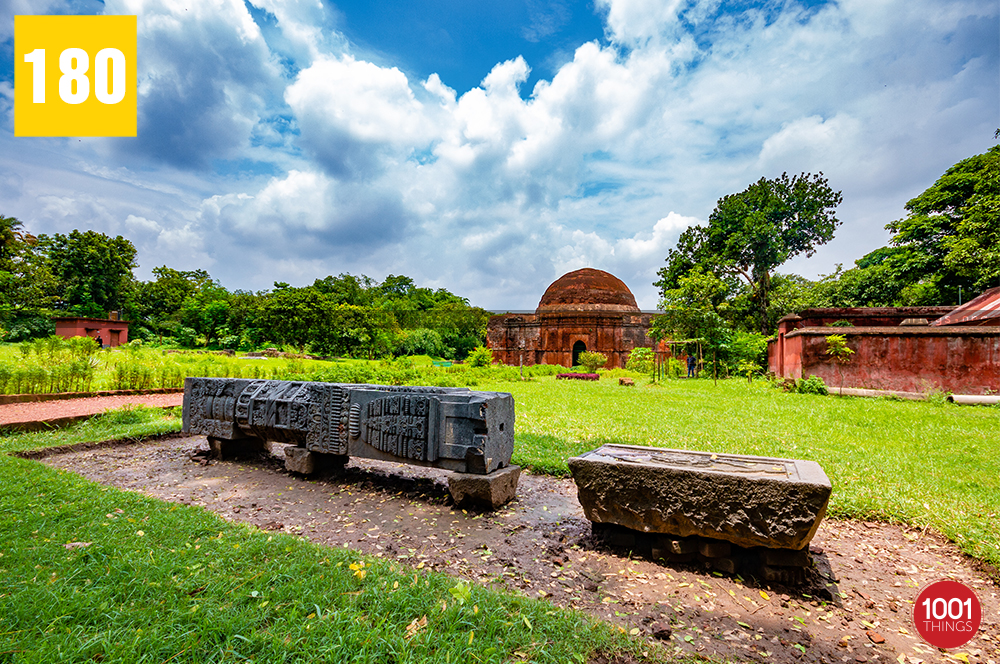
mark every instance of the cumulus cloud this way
{"type": "Point", "coordinates": [496, 192]}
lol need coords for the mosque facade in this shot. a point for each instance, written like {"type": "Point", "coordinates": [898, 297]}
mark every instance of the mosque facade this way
{"type": "Point", "coordinates": [584, 310]}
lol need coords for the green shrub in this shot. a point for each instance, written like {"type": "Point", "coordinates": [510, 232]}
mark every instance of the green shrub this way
{"type": "Point", "coordinates": [592, 361]}
{"type": "Point", "coordinates": [640, 360]}
{"type": "Point", "coordinates": [811, 385]}
{"type": "Point", "coordinates": [480, 357]}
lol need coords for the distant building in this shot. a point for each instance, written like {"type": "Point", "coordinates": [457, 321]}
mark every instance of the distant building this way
{"type": "Point", "coordinates": [113, 332]}
{"type": "Point", "coordinates": [904, 349]}
{"type": "Point", "coordinates": [585, 310]}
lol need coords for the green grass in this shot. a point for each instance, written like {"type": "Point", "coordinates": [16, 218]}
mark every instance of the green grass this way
{"type": "Point", "coordinates": [169, 583]}
{"type": "Point", "coordinates": [162, 582]}
{"type": "Point", "coordinates": [920, 463]}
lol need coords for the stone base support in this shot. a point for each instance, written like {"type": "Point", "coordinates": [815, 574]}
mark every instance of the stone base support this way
{"type": "Point", "coordinates": [301, 460]}
{"type": "Point", "coordinates": [781, 566]}
{"type": "Point", "coordinates": [235, 449]}
{"type": "Point", "coordinates": [492, 490]}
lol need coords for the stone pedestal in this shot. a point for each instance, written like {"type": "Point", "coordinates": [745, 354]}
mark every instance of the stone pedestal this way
{"type": "Point", "coordinates": [492, 490]}
{"type": "Point", "coordinates": [301, 460]}
{"type": "Point", "coordinates": [239, 448]}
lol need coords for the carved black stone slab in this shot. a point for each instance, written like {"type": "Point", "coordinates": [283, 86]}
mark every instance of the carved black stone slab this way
{"type": "Point", "coordinates": [452, 428]}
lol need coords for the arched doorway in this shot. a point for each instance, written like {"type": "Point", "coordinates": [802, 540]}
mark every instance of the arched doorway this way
{"type": "Point", "coordinates": [578, 347]}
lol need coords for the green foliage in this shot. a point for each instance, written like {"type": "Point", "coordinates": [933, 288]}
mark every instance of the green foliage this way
{"type": "Point", "coordinates": [94, 271]}
{"type": "Point", "coordinates": [422, 342]}
{"type": "Point", "coordinates": [836, 347]}
{"type": "Point", "coordinates": [811, 385]}
{"type": "Point", "coordinates": [751, 233]}
{"type": "Point", "coordinates": [640, 360]}
{"type": "Point", "coordinates": [592, 361]}
{"type": "Point", "coordinates": [480, 357]}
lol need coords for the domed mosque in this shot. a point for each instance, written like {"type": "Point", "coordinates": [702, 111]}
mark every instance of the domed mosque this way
{"type": "Point", "coordinates": [584, 310]}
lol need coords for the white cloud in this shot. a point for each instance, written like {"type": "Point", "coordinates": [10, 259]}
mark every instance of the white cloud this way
{"type": "Point", "coordinates": [497, 192]}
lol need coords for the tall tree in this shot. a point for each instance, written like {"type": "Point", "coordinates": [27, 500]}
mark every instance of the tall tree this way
{"type": "Point", "coordinates": [94, 271]}
{"type": "Point", "coordinates": [951, 237]}
{"type": "Point", "coordinates": [27, 287]}
{"type": "Point", "coordinates": [751, 233]}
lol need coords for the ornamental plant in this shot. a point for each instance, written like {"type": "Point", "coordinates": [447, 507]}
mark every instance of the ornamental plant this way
{"type": "Point", "coordinates": [592, 361]}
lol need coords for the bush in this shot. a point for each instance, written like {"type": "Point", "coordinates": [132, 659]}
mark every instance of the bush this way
{"type": "Point", "coordinates": [30, 327]}
{"type": "Point", "coordinates": [640, 360]}
{"type": "Point", "coordinates": [592, 361]}
{"type": "Point", "coordinates": [422, 342]}
{"type": "Point", "coordinates": [811, 385]}
{"type": "Point", "coordinates": [187, 337]}
{"type": "Point", "coordinates": [480, 357]}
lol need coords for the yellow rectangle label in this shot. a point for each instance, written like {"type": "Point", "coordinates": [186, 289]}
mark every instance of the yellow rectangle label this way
{"type": "Point", "coordinates": [75, 75]}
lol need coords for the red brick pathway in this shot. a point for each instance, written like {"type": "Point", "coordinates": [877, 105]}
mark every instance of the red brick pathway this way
{"type": "Point", "coordinates": [47, 411]}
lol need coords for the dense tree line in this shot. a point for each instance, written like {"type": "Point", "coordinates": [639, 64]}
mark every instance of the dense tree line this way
{"type": "Point", "coordinates": [720, 282]}
{"type": "Point", "coordinates": [89, 274]}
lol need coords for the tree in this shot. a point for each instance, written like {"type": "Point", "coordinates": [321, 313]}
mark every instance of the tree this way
{"type": "Point", "coordinates": [160, 302]}
{"type": "Point", "coordinates": [300, 317]}
{"type": "Point", "coordinates": [751, 233]}
{"type": "Point", "coordinates": [27, 286]}
{"type": "Point", "coordinates": [951, 237]}
{"type": "Point", "coordinates": [94, 271]}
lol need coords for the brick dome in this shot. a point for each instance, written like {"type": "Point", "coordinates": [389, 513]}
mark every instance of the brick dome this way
{"type": "Point", "coordinates": [587, 290]}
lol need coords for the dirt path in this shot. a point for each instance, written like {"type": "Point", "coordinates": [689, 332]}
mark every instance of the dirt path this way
{"type": "Point", "coordinates": [57, 410]}
{"type": "Point", "coordinates": [541, 545]}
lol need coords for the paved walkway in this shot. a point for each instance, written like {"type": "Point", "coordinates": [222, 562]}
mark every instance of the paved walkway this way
{"type": "Point", "coordinates": [65, 410]}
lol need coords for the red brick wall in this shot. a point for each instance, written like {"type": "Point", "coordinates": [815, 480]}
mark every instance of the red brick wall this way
{"type": "Point", "coordinates": [113, 332]}
{"type": "Point", "coordinates": [958, 360]}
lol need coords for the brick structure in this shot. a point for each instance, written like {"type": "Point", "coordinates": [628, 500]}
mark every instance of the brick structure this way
{"type": "Point", "coordinates": [904, 349]}
{"type": "Point", "coordinates": [113, 332]}
{"type": "Point", "coordinates": [585, 310]}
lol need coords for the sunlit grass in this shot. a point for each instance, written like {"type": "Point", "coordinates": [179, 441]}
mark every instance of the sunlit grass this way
{"type": "Point", "coordinates": [921, 463]}
{"type": "Point", "coordinates": [89, 573]}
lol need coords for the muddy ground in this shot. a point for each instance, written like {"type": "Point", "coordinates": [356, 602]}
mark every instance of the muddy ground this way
{"type": "Point", "coordinates": [541, 545]}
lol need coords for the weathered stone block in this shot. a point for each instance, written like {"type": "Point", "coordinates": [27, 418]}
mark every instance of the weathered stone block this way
{"type": "Point", "coordinates": [788, 576]}
{"type": "Point", "coordinates": [785, 557]}
{"type": "Point", "coordinates": [301, 460]}
{"type": "Point", "coordinates": [746, 500]}
{"type": "Point", "coordinates": [670, 557]}
{"type": "Point", "coordinates": [677, 546]}
{"type": "Point", "coordinates": [726, 565]}
{"type": "Point", "coordinates": [239, 448]}
{"type": "Point", "coordinates": [714, 548]}
{"type": "Point", "coordinates": [493, 490]}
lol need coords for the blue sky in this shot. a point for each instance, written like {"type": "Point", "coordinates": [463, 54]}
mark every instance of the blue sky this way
{"type": "Point", "coordinates": [489, 148]}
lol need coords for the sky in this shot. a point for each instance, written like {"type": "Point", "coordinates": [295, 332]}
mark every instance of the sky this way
{"type": "Point", "coordinates": [488, 148]}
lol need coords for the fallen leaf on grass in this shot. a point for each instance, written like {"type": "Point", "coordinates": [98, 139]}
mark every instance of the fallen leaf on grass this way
{"type": "Point", "coordinates": [764, 595]}
{"type": "Point", "coordinates": [415, 626]}
{"type": "Point", "coordinates": [77, 545]}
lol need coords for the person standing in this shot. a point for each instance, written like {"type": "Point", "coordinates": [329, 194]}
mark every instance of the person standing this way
{"type": "Point", "coordinates": [692, 363]}
{"type": "Point", "coordinates": [99, 340]}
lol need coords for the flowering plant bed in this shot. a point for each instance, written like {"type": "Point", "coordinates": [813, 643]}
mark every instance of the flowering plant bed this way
{"type": "Point", "coordinates": [578, 376]}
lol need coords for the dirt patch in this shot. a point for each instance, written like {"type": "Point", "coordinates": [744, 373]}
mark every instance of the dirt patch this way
{"type": "Point", "coordinates": [542, 546]}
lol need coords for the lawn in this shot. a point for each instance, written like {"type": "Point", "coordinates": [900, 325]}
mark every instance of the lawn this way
{"type": "Point", "coordinates": [918, 462]}
{"type": "Point", "coordinates": [161, 582]}
{"type": "Point", "coordinates": [89, 573]}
